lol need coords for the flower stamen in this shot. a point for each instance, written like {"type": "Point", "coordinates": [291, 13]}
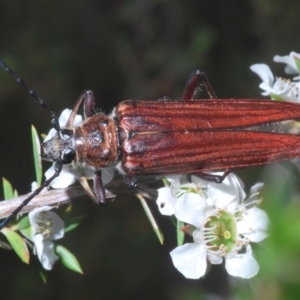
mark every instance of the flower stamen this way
{"type": "Point", "coordinates": [220, 232]}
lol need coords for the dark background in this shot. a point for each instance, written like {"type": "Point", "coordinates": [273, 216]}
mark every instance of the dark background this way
{"type": "Point", "coordinates": [140, 50]}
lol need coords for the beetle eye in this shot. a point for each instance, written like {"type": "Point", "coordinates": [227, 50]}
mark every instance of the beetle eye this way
{"type": "Point", "coordinates": [67, 156]}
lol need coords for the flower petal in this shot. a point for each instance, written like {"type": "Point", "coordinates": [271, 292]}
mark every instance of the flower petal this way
{"type": "Point", "coordinates": [51, 134]}
{"type": "Point", "coordinates": [165, 201]}
{"type": "Point", "coordinates": [108, 174]}
{"type": "Point", "coordinates": [56, 227]}
{"type": "Point", "coordinates": [63, 118]}
{"type": "Point", "coordinates": [227, 194]}
{"type": "Point", "coordinates": [198, 236]}
{"type": "Point", "coordinates": [264, 72]}
{"type": "Point", "coordinates": [65, 178]}
{"type": "Point", "coordinates": [190, 260]}
{"type": "Point", "coordinates": [214, 259]}
{"type": "Point", "coordinates": [189, 208]}
{"type": "Point", "coordinates": [45, 251]}
{"type": "Point", "coordinates": [49, 221]}
{"type": "Point", "coordinates": [34, 186]}
{"type": "Point", "coordinates": [77, 120]}
{"type": "Point", "coordinates": [78, 172]}
{"type": "Point", "coordinates": [289, 60]}
{"type": "Point", "coordinates": [254, 224]}
{"type": "Point", "coordinates": [242, 265]}
{"type": "Point", "coordinates": [256, 188]}
{"type": "Point", "coordinates": [33, 215]}
{"type": "Point", "coordinates": [175, 182]}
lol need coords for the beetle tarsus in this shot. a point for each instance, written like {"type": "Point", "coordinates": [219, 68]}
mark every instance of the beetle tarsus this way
{"type": "Point", "coordinates": [213, 177]}
{"type": "Point", "coordinates": [131, 181]}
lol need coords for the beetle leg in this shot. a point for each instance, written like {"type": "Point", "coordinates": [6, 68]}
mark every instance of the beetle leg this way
{"type": "Point", "coordinates": [212, 177]}
{"type": "Point", "coordinates": [99, 195]}
{"type": "Point", "coordinates": [89, 110]}
{"type": "Point", "coordinates": [131, 181]}
{"type": "Point", "coordinates": [193, 84]}
{"type": "Point", "coordinates": [89, 105]}
{"type": "Point", "coordinates": [99, 188]}
{"type": "Point", "coordinates": [85, 96]}
{"type": "Point", "coordinates": [85, 185]}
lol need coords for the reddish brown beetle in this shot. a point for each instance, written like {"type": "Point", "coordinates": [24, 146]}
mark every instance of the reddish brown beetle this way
{"type": "Point", "coordinates": [171, 137]}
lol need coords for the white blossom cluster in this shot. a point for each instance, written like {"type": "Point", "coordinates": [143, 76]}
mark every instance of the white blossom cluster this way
{"type": "Point", "coordinates": [221, 220]}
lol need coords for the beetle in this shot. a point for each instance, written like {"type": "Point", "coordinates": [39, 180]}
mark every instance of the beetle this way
{"type": "Point", "coordinates": [187, 136]}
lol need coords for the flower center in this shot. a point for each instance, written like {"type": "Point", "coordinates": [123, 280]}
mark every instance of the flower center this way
{"type": "Point", "coordinates": [220, 232]}
{"type": "Point", "coordinates": [44, 223]}
{"type": "Point", "coordinates": [189, 188]}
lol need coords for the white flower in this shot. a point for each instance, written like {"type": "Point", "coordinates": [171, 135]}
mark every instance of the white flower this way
{"type": "Point", "coordinates": [63, 118]}
{"type": "Point", "coordinates": [167, 195]}
{"type": "Point", "coordinates": [46, 227]}
{"type": "Point", "coordinates": [166, 201]}
{"type": "Point", "coordinates": [231, 189]}
{"type": "Point", "coordinates": [280, 88]}
{"type": "Point", "coordinates": [70, 173]}
{"type": "Point", "coordinates": [266, 75]}
{"type": "Point", "coordinates": [224, 224]}
{"type": "Point", "coordinates": [34, 186]}
{"type": "Point", "coordinates": [291, 61]}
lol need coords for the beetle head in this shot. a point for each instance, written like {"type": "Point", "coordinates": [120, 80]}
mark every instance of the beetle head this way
{"type": "Point", "coordinates": [60, 147]}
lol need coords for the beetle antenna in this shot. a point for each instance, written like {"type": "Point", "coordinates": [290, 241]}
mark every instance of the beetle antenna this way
{"type": "Point", "coordinates": [32, 93]}
{"type": "Point", "coordinates": [57, 169]}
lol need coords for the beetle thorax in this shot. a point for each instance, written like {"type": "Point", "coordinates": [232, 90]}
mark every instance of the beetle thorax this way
{"type": "Point", "coordinates": [96, 142]}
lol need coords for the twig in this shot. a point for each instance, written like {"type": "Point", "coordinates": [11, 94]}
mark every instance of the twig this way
{"type": "Point", "coordinates": [49, 197]}
{"type": "Point", "coordinates": [73, 194]}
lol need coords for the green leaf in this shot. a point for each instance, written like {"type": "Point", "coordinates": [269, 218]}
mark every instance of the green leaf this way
{"type": "Point", "coordinates": [27, 232]}
{"type": "Point", "coordinates": [23, 223]}
{"type": "Point", "coordinates": [276, 97]}
{"type": "Point", "coordinates": [68, 259]}
{"type": "Point", "coordinates": [68, 210]}
{"type": "Point", "coordinates": [43, 274]}
{"type": "Point", "coordinates": [180, 233]}
{"type": "Point", "coordinates": [17, 243]}
{"type": "Point", "coordinates": [36, 155]}
{"type": "Point", "coordinates": [165, 182]}
{"type": "Point", "coordinates": [150, 217]}
{"type": "Point", "coordinates": [72, 222]}
{"type": "Point", "coordinates": [173, 220]}
{"type": "Point", "coordinates": [7, 189]}
{"type": "Point", "coordinates": [24, 227]}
